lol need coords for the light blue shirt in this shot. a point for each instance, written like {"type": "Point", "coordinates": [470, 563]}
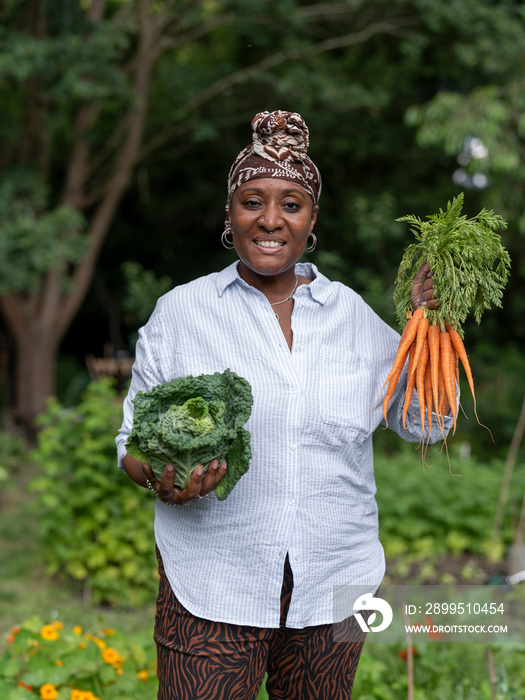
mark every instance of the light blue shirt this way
{"type": "Point", "coordinates": [310, 489]}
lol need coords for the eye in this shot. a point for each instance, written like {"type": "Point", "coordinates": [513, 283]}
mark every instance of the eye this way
{"type": "Point", "coordinates": [251, 203]}
{"type": "Point", "coordinates": [291, 206]}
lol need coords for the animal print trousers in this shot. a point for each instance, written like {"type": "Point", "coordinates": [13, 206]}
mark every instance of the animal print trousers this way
{"type": "Point", "coordinates": [200, 659]}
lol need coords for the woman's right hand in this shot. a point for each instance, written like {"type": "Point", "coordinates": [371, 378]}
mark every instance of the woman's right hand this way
{"type": "Point", "coordinates": [199, 485]}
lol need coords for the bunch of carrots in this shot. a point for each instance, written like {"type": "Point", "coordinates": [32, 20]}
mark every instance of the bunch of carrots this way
{"type": "Point", "coordinates": [470, 268]}
{"type": "Point", "coordinates": [433, 369]}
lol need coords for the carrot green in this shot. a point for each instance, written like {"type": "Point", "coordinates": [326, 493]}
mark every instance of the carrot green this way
{"type": "Point", "coordinates": [469, 264]}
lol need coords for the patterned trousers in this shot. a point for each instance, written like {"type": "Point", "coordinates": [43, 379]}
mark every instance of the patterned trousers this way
{"type": "Point", "coordinates": [199, 659]}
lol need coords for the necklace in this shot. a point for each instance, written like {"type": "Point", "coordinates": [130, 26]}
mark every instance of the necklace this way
{"type": "Point", "coordinates": [276, 303]}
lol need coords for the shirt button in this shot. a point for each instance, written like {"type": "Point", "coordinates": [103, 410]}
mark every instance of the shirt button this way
{"type": "Point", "coordinates": [292, 501]}
{"type": "Point", "coordinates": [301, 347]}
{"type": "Point", "coordinates": [293, 446]}
{"type": "Point", "coordinates": [302, 302]}
{"type": "Point", "coordinates": [297, 557]}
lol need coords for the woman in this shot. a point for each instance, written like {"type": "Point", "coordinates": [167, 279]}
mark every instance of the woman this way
{"type": "Point", "coordinates": [247, 583]}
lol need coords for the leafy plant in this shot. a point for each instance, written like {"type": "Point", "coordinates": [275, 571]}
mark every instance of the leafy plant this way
{"type": "Point", "coordinates": [191, 421]}
{"type": "Point", "coordinates": [470, 266]}
{"type": "Point", "coordinates": [424, 513]}
{"type": "Point", "coordinates": [55, 662]}
{"type": "Point", "coordinates": [95, 524]}
{"type": "Point", "coordinates": [441, 670]}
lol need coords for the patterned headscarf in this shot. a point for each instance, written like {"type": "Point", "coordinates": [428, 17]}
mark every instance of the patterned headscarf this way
{"type": "Point", "coordinates": [279, 149]}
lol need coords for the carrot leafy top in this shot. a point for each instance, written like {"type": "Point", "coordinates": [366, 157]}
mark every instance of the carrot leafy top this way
{"type": "Point", "coordinates": [469, 264]}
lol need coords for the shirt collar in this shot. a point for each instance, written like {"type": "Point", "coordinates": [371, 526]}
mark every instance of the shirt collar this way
{"type": "Point", "coordinates": [320, 287]}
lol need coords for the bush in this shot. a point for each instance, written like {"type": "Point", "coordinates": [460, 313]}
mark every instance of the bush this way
{"type": "Point", "coordinates": [429, 511]}
{"type": "Point", "coordinates": [54, 662]}
{"type": "Point", "coordinates": [95, 524]}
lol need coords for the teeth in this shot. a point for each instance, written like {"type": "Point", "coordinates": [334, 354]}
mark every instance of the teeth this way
{"type": "Point", "coordinates": [269, 244]}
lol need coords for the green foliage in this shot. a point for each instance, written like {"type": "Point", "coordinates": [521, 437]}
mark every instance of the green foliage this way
{"type": "Point", "coordinates": [12, 451]}
{"type": "Point", "coordinates": [68, 663]}
{"type": "Point", "coordinates": [191, 421]}
{"type": "Point", "coordinates": [95, 524]}
{"type": "Point", "coordinates": [441, 671]}
{"type": "Point", "coordinates": [428, 512]}
{"type": "Point", "coordinates": [34, 237]}
{"type": "Point", "coordinates": [143, 288]}
{"type": "Point", "coordinates": [74, 64]}
{"type": "Point", "coordinates": [469, 264]}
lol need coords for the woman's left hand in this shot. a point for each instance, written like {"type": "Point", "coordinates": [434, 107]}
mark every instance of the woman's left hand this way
{"type": "Point", "coordinates": [200, 484]}
{"type": "Point", "coordinates": [423, 289]}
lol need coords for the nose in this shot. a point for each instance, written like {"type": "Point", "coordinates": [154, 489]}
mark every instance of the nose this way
{"type": "Point", "coordinates": [271, 219]}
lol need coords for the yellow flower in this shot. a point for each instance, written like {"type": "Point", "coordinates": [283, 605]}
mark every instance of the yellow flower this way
{"type": "Point", "coordinates": [76, 694]}
{"type": "Point", "coordinates": [82, 645]}
{"type": "Point", "coordinates": [77, 629]}
{"type": "Point", "coordinates": [48, 691]}
{"type": "Point", "coordinates": [101, 644]}
{"type": "Point", "coordinates": [59, 663]}
{"type": "Point", "coordinates": [111, 656]}
{"type": "Point", "coordinates": [108, 631]}
{"type": "Point", "coordinates": [143, 675]}
{"type": "Point", "coordinates": [57, 625]}
{"type": "Point", "coordinates": [49, 633]}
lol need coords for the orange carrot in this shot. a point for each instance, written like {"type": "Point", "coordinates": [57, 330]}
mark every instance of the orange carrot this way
{"type": "Point", "coordinates": [422, 330]}
{"type": "Point", "coordinates": [433, 349]}
{"type": "Point", "coordinates": [428, 395]}
{"type": "Point", "coordinates": [411, 381]}
{"type": "Point", "coordinates": [457, 343]}
{"type": "Point", "coordinates": [442, 394]}
{"type": "Point", "coordinates": [420, 382]}
{"type": "Point", "coordinates": [458, 346]}
{"type": "Point", "coordinates": [448, 367]}
{"type": "Point", "coordinates": [405, 342]}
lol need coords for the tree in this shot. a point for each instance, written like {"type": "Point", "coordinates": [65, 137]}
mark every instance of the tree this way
{"type": "Point", "coordinates": [76, 89]}
{"type": "Point", "coordinates": [92, 89]}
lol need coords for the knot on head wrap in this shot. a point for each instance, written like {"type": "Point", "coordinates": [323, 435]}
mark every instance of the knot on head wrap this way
{"type": "Point", "coordinates": [280, 136]}
{"type": "Point", "coordinates": [279, 150]}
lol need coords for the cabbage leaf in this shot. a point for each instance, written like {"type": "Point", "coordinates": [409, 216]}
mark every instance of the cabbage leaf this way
{"type": "Point", "coordinates": [191, 421]}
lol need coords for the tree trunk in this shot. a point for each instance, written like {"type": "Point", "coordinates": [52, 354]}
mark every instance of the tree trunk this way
{"type": "Point", "coordinates": [35, 375]}
{"type": "Point", "coordinates": [37, 341]}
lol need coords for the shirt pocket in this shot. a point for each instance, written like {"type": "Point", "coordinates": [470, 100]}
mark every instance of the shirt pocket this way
{"type": "Point", "coordinates": [347, 391]}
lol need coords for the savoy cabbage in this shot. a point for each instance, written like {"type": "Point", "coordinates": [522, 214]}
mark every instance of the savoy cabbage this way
{"type": "Point", "coordinates": [191, 421]}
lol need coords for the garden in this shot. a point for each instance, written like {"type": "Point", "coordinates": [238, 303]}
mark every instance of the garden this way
{"type": "Point", "coordinates": [79, 581]}
{"type": "Point", "coordinates": [119, 120]}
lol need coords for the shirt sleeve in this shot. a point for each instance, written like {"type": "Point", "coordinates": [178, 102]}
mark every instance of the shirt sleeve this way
{"type": "Point", "coordinates": [145, 375]}
{"type": "Point", "coordinates": [413, 431]}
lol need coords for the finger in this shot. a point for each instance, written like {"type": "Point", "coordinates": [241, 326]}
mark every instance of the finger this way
{"type": "Point", "coordinates": [221, 472]}
{"type": "Point", "coordinates": [166, 487]}
{"type": "Point", "coordinates": [422, 273]}
{"type": "Point", "coordinates": [428, 295]}
{"type": "Point", "coordinates": [149, 474]}
{"type": "Point", "coordinates": [218, 474]}
{"type": "Point", "coordinates": [427, 285]}
{"type": "Point", "coordinates": [192, 490]}
{"type": "Point", "coordinates": [210, 478]}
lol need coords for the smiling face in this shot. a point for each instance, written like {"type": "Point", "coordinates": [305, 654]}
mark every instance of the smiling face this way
{"type": "Point", "coordinates": [271, 220]}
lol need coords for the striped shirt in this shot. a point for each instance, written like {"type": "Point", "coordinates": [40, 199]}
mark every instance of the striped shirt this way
{"type": "Point", "coordinates": [310, 489]}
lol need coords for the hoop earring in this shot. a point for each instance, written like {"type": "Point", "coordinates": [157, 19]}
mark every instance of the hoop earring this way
{"type": "Point", "coordinates": [229, 245]}
{"type": "Point", "coordinates": [310, 248]}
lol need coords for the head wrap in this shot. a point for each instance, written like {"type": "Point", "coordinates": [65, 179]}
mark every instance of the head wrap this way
{"type": "Point", "coordinates": [279, 150]}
